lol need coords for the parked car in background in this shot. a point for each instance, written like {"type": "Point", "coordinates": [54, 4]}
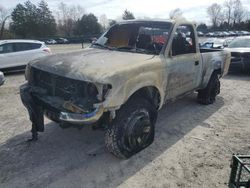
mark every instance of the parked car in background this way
{"type": "Point", "coordinates": [232, 33]}
{"type": "Point", "coordinates": [2, 79]}
{"type": "Point", "coordinates": [51, 41]}
{"type": "Point", "coordinates": [15, 54]}
{"type": "Point", "coordinates": [240, 54]}
{"type": "Point", "coordinates": [210, 34]}
{"type": "Point", "coordinates": [200, 34]}
{"type": "Point", "coordinates": [227, 33]}
{"type": "Point", "coordinates": [62, 41]}
{"type": "Point", "coordinates": [245, 33]}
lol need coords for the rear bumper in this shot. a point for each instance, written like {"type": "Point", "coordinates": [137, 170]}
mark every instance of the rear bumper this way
{"type": "Point", "coordinates": [31, 101]}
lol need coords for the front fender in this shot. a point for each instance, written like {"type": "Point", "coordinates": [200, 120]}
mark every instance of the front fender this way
{"type": "Point", "coordinates": [119, 96]}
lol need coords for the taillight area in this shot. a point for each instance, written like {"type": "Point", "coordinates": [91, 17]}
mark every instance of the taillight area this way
{"type": "Point", "coordinates": [47, 50]}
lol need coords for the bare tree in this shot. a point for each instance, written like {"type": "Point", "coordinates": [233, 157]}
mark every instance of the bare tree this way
{"type": "Point", "coordinates": [76, 12]}
{"type": "Point", "coordinates": [67, 17]}
{"type": "Point", "coordinates": [215, 13]}
{"type": "Point", "coordinates": [239, 12]}
{"type": "Point", "coordinates": [104, 21]}
{"type": "Point", "coordinates": [228, 11]}
{"type": "Point", "coordinates": [176, 13]}
{"type": "Point", "coordinates": [4, 15]}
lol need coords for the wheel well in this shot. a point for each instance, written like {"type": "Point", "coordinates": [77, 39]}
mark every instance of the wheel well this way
{"type": "Point", "coordinates": [217, 71]}
{"type": "Point", "coordinates": [151, 93]}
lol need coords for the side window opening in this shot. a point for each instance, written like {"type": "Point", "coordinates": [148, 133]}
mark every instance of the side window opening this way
{"type": "Point", "coordinates": [184, 40]}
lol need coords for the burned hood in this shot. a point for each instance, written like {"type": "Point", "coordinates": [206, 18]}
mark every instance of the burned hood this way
{"type": "Point", "coordinates": [92, 64]}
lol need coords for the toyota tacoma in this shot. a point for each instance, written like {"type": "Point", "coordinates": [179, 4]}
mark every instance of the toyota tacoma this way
{"type": "Point", "coordinates": [121, 81]}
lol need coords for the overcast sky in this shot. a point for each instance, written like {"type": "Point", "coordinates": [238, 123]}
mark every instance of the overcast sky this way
{"type": "Point", "coordinates": [194, 10]}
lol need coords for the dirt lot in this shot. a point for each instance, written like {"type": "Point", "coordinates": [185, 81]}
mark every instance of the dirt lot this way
{"type": "Point", "coordinates": [192, 148]}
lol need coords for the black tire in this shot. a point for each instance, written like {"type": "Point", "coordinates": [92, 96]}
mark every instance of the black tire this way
{"type": "Point", "coordinates": [132, 130]}
{"type": "Point", "coordinates": [207, 95]}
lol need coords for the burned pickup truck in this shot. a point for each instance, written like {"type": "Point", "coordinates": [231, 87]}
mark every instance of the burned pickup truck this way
{"type": "Point", "coordinates": [122, 80]}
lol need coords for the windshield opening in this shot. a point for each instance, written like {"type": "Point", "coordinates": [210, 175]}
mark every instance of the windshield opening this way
{"type": "Point", "coordinates": [148, 37]}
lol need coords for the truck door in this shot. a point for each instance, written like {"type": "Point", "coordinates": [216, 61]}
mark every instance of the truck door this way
{"type": "Point", "coordinates": [183, 62]}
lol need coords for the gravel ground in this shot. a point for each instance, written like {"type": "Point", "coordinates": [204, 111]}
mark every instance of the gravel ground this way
{"type": "Point", "coordinates": [192, 148]}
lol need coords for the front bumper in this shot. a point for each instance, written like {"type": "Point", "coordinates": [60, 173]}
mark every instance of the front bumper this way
{"type": "Point", "coordinates": [32, 101]}
{"type": "Point", "coordinates": [88, 118]}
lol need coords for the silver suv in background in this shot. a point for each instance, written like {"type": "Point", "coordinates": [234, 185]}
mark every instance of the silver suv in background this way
{"type": "Point", "coordinates": [15, 54]}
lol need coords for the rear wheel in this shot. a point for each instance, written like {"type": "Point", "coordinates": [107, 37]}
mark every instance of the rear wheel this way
{"type": "Point", "coordinates": [132, 129]}
{"type": "Point", "coordinates": [208, 95]}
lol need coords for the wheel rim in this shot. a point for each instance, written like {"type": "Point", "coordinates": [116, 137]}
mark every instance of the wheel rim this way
{"type": "Point", "coordinates": [139, 132]}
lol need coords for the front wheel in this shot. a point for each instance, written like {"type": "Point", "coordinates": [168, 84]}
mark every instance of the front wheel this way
{"type": "Point", "coordinates": [132, 129]}
{"type": "Point", "coordinates": [208, 95]}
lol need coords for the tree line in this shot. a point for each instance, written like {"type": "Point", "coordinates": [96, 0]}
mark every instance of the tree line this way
{"type": "Point", "coordinates": [37, 21]}
{"type": "Point", "coordinates": [28, 20]}
{"type": "Point", "coordinates": [229, 15]}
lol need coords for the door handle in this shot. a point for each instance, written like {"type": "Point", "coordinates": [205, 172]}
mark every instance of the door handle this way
{"type": "Point", "coordinates": [196, 63]}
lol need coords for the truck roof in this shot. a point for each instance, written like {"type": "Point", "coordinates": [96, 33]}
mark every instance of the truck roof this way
{"type": "Point", "coordinates": [155, 20]}
{"type": "Point", "coordinates": [147, 20]}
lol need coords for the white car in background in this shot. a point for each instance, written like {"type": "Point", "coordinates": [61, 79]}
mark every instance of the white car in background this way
{"type": "Point", "coordinates": [51, 41]}
{"type": "Point", "coordinates": [15, 54]}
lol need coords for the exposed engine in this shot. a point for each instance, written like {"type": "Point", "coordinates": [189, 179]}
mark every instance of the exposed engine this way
{"type": "Point", "coordinates": [62, 93]}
